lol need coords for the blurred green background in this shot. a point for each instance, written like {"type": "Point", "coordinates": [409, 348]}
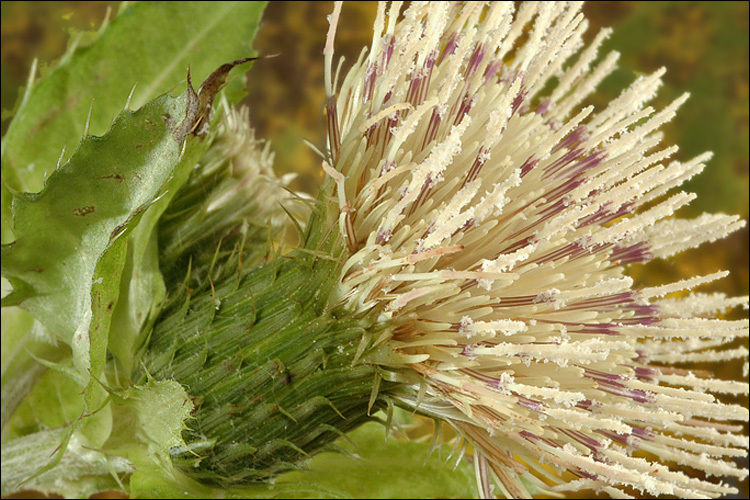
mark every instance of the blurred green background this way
{"type": "Point", "coordinates": [704, 46]}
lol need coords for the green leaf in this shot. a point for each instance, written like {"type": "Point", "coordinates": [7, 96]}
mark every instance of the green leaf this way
{"type": "Point", "coordinates": [79, 472]}
{"type": "Point", "coordinates": [149, 420]}
{"type": "Point", "coordinates": [53, 402]}
{"type": "Point", "coordinates": [63, 231]}
{"type": "Point", "coordinates": [149, 44]}
{"type": "Point", "coordinates": [19, 370]}
{"type": "Point", "coordinates": [105, 290]}
{"type": "Point", "coordinates": [371, 467]}
{"type": "Point", "coordinates": [381, 469]}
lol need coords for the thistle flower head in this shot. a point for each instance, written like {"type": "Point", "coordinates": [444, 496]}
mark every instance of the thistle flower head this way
{"type": "Point", "coordinates": [489, 220]}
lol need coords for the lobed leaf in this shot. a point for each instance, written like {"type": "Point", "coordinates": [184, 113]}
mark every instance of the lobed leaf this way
{"type": "Point", "coordinates": [148, 44]}
{"type": "Point", "coordinates": [63, 231]}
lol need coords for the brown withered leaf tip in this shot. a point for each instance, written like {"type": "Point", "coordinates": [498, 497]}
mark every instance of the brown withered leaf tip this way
{"type": "Point", "coordinates": [199, 106]}
{"type": "Point", "coordinates": [208, 90]}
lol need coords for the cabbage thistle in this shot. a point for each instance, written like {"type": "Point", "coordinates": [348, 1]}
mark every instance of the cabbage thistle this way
{"type": "Point", "coordinates": [465, 260]}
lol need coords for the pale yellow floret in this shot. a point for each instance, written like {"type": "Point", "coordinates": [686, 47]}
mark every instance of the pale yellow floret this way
{"type": "Point", "coordinates": [488, 229]}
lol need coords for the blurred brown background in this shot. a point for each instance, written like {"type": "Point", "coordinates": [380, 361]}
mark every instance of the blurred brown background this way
{"type": "Point", "coordinates": [704, 46]}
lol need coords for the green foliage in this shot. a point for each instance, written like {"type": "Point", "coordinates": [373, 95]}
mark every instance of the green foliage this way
{"type": "Point", "coordinates": [163, 38]}
{"type": "Point", "coordinates": [370, 467]}
{"type": "Point", "coordinates": [63, 232]}
{"type": "Point", "coordinates": [53, 402]}
{"type": "Point", "coordinates": [148, 45]}
{"type": "Point", "coordinates": [406, 473]}
{"type": "Point", "coordinates": [84, 259]}
{"type": "Point", "coordinates": [155, 412]}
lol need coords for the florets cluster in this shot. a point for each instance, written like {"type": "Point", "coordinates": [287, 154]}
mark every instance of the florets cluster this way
{"type": "Point", "coordinates": [490, 220]}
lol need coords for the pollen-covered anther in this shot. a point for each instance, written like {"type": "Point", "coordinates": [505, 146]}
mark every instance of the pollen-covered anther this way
{"type": "Point", "coordinates": [494, 220]}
